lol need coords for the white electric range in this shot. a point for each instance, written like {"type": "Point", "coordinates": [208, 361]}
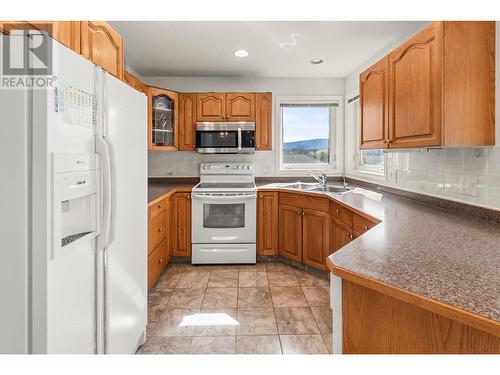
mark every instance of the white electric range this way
{"type": "Point", "coordinates": [224, 210]}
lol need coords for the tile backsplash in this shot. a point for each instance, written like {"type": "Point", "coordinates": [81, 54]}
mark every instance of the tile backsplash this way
{"type": "Point", "coordinates": [470, 175]}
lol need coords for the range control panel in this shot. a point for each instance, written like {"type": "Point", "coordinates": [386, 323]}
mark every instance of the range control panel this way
{"type": "Point", "coordinates": [226, 168]}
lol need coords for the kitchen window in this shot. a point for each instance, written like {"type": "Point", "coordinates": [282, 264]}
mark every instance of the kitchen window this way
{"type": "Point", "coordinates": [308, 136]}
{"type": "Point", "coordinates": [371, 161]}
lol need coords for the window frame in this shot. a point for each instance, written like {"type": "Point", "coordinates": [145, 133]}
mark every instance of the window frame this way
{"type": "Point", "coordinates": [336, 152]}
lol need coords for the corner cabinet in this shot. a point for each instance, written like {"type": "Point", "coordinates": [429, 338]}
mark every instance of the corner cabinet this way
{"type": "Point", "coordinates": [436, 89]}
{"type": "Point", "coordinates": [103, 46]}
{"type": "Point", "coordinates": [374, 96]}
{"type": "Point", "coordinates": [162, 119]}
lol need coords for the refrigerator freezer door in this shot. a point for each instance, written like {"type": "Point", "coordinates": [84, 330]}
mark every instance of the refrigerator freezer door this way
{"type": "Point", "coordinates": [125, 131]}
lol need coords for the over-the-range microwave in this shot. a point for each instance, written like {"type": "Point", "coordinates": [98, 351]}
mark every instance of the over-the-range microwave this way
{"type": "Point", "coordinates": [225, 137]}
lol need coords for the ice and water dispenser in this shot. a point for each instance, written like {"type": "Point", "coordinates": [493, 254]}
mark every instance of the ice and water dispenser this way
{"type": "Point", "coordinates": [76, 200]}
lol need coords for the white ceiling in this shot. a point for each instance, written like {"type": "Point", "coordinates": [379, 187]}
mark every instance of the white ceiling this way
{"type": "Point", "coordinates": [193, 49]}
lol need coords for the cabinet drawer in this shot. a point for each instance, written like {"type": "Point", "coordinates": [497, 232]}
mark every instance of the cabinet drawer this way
{"type": "Point", "coordinates": [156, 231]}
{"type": "Point", "coordinates": [360, 224]}
{"type": "Point", "coordinates": [157, 208]}
{"type": "Point", "coordinates": [156, 263]}
{"type": "Point", "coordinates": [304, 201]}
{"type": "Point", "coordinates": [341, 213]}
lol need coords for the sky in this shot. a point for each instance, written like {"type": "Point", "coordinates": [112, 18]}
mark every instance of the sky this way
{"type": "Point", "coordinates": [303, 123]}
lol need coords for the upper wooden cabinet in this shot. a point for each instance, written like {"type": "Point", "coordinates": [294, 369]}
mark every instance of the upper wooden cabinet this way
{"type": "Point", "coordinates": [267, 223]}
{"type": "Point", "coordinates": [440, 90]}
{"type": "Point", "coordinates": [211, 107]}
{"type": "Point", "coordinates": [187, 122]}
{"type": "Point", "coordinates": [373, 92]}
{"type": "Point", "coordinates": [131, 80]}
{"type": "Point", "coordinates": [263, 121]}
{"type": "Point", "coordinates": [163, 108]}
{"type": "Point", "coordinates": [103, 46]}
{"type": "Point", "coordinates": [415, 76]}
{"type": "Point", "coordinates": [240, 106]}
{"type": "Point", "coordinates": [65, 32]}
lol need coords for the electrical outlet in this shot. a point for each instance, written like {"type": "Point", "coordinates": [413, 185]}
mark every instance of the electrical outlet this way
{"type": "Point", "coordinates": [392, 176]}
{"type": "Point", "coordinates": [468, 186]}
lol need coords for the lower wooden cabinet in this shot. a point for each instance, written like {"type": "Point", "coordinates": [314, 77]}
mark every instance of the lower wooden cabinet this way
{"type": "Point", "coordinates": [157, 261]}
{"type": "Point", "coordinates": [316, 240]}
{"type": "Point", "coordinates": [290, 232]}
{"type": "Point", "coordinates": [267, 223]}
{"type": "Point", "coordinates": [181, 225]}
{"type": "Point", "coordinates": [342, 234]}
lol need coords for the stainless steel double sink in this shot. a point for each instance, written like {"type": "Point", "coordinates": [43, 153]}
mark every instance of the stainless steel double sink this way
{"type": "Point", "coordinates": [316, 187]}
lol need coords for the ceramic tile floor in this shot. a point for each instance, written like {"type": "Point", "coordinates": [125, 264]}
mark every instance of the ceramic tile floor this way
{"type": "Point", "coordinates": [267, 308]}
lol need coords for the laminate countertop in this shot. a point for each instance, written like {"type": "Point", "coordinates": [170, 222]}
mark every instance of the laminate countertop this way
{"type": "Point", "coordinates": [450, 258]}
{"type": "Point", "coordinates": [158, 187]}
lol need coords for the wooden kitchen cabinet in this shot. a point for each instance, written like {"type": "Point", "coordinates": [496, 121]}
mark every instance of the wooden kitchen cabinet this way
{"type": "Point", "coordinates": [415, 80]}
{"type": "Point", "coordinates": [263, 121]}
{"type": "Point", "coordinates": [316, 240]}
{"type": "Point", "coordinates": [374, 99]}
{"type": "Point", "coordinates": [181, 225]}
{"type": "Point", "coordinates": [132, 81]}
{"type": "Point", "coordinates": [103, 46]}
{"type": "Point", "coordinates": [439, 88]}
{"type": "Point", "coordinates": [163, 111]}
{"type": "Point", "coordinates": [187, 121]}
{"type": "Point", "coordinates": [240, 106]}
{"type": "Point", "coordinates": [290, 232]}
{"type": "Point", "coordinates": [157, 262]}
{"type": "Point", "coordinates": [342, 234]}
{"type": "Point", "coordinates": [211, 107]}
{"type": "Point", "coordinates": [65, 32]}
{"type": "Point", "coordinates": [159, 213]}
{"type": "Point", "coordinates": [267, 223]}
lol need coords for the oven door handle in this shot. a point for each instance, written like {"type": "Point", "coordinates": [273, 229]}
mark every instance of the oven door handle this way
{"type": "Point", "coordinates": [239, 139]}
{"type": "Point", "coordinates": [225, 196]}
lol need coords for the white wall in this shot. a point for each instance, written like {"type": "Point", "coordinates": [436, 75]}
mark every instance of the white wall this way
{"type": "Point", "coordinates": [438, 172]}
{"type": "Point", "coordinates": [187, 163]}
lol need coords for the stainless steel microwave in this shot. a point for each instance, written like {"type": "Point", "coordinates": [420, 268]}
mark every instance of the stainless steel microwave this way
{"type": "Point", "coordinates": [225, 137]}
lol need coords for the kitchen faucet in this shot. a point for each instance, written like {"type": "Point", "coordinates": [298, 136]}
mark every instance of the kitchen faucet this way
{"type": "Point", "coordinates": [321, 179]}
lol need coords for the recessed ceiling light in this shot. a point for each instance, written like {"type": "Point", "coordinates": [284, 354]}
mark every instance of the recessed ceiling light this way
{"type": "Point", "coordinates": [316, 61]}
{"type": "Point", "coordinates": [240, 53]}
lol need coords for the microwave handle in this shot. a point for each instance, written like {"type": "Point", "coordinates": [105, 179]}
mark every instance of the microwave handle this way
{"type": "Point", "coordinates": [239, 139]}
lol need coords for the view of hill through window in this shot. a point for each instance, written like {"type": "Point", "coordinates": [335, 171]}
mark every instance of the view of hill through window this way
{"type": "Point", "coordinates": [306, 134]}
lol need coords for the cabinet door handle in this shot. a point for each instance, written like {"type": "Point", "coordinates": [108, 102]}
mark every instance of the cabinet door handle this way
{"type": "Point", "coordinates": [388, 141]}
{"type": "Point", "coordinates": [298, 212]}
{"type": "Point", "coordinates": [384, 140]}
{"type": "Point", "coordinates": [262, 195]}
{"type": "Point", "coordinates": [337, 210]}
{"type": "Point", "coordinates": [159, 206]}
{"type": "Point", "coordinates": [159, 229]}
{"type": "Point", "coordinates": [365, 228]}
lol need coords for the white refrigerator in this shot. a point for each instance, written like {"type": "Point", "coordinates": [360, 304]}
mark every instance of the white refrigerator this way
{"type": "Point", "coordinates": [73, 194]}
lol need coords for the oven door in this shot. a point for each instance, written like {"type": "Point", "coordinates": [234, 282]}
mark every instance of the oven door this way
{"type": "Point", "coordinates": [224, 217]}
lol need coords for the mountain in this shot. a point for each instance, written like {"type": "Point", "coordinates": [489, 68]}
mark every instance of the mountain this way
{"type": "Point", "coordinates": [309, 144]}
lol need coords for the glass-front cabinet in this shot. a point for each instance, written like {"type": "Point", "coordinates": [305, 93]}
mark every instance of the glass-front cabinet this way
{"type": "Point", "coordinates": [163, 113]}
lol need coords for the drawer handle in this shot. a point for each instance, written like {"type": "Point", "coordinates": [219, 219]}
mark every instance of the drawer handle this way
{"type": "Point", "coordinates": [365, 228]}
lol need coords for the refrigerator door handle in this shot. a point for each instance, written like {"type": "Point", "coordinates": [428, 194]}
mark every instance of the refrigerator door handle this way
{"type": "Point", "coordinates": [102, 149]}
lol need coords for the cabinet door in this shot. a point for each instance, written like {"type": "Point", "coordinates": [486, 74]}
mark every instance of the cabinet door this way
{"type": "Point", "coordinates": [263, 121]}
{"type": "Point", "coordinates": [290, 232]}
{"type": "Point", "coordinates": [163, 109]}
{"type": "Point", "coordinates": [65, 32]}
{"type": "Point", "coordinates": [156, 264]}
{"type": "Point", "coordinates": [316, 240]}
{"type": "Point", "coordinates": [187, 122]}
{"type": "Point", "coordinates": [374, 95]}
{"type": "Point", "coordinates": [211, 107]}
{"type": "Point", "coordinates": [103, 46]}
{"type": "Point", "coordinates": [240, 106]}
{"type": "Point", "coordinates": [415, 85]}
{"type": "Point", "coordinates": [181, 225]}
{"type": "Point", "coordinates": [342, 236]}
{"type": "Point", "coordinates": [267, 223]}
